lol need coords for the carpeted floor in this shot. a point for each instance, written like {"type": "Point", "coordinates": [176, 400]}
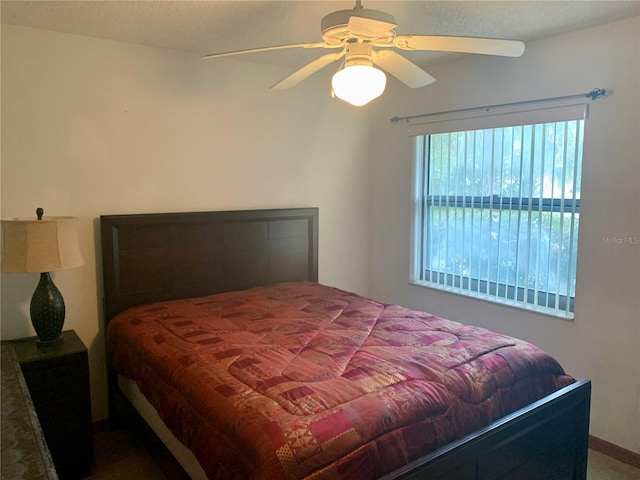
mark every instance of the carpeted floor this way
{"type": "Point", "coordinates": [602, 467]}
{"type": "Point", "coordinates": [122, 455]}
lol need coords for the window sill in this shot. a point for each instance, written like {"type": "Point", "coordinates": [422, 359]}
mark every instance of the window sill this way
{"type": "Point", "coordinates": [547, 312]}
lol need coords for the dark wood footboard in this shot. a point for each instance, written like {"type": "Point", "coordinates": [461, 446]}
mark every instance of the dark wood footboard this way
{"type": "Point", "coordinates": [545, 440]}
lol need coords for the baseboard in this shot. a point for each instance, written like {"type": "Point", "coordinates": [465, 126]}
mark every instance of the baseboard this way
{"type": "Point", "coordinates": [614, 451]}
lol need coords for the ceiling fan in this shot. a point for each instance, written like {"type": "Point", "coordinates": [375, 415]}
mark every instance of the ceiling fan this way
{"type": "Point", "coordinates": [366, 39]}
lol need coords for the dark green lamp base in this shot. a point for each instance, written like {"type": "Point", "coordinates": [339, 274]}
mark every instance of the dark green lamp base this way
{"type": "Point", "coordinates": [47, 311]}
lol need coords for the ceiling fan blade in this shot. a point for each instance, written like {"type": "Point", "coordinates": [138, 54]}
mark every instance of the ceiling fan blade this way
{"type": "Point", "coordinates": [486, 46]}
{"type": "Point", "coordinates": [401, 68]}
{"type": "Point", "coordinates": [369, 27]}
{"type": "Point", "coordinates": [308, 70]}
{"type": "Point", "coordinates": [275, 47]}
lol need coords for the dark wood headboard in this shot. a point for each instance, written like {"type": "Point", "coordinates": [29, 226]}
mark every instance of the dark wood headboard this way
{"type": "Point", "coordinates": [167, 256]}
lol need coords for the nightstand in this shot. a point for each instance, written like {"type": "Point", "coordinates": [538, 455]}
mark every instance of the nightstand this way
{"type": "Point", "coordinates": [58, 381]}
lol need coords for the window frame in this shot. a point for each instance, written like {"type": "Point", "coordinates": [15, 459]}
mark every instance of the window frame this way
{"type": "Point", "coordinates": [501, 293]}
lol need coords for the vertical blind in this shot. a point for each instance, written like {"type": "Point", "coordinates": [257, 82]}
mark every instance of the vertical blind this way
{"type": "Point", "coordinates": [496, 204]}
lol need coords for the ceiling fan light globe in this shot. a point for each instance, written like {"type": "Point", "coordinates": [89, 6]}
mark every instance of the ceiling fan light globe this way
{"type": "Point", "coordinates": [358, 84]}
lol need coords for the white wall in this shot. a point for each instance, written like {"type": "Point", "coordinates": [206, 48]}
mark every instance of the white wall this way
{"type": "Point", "coordinates": [92, 127]}
{"type": "Point", "coordinates": [603, 343]}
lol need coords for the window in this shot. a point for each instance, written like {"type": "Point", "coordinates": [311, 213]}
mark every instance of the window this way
{"type": "Point", "coordinates": [497, 209]}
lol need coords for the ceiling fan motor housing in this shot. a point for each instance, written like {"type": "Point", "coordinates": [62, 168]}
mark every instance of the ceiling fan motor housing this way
{"type": "Point", "coordinates": [334, 25]}
{"type": "Point", "coordinates": [358, 54]}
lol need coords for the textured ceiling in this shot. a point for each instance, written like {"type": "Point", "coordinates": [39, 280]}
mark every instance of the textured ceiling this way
{"type": "Point", "coordinates": [202, 27]}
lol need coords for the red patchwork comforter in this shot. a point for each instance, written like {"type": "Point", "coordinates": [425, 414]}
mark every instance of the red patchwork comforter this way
{"type": "Point", "coordinates": [301, 380]}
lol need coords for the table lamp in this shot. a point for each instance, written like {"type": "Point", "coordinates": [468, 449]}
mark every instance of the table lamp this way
{"type": "Point", "coordinates": [42, 246]}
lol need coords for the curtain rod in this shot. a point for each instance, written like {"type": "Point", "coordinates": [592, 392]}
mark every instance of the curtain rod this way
{"type": "Point", "coordinates": [593, 95]}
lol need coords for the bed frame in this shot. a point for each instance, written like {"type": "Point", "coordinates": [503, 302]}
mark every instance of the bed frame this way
{"type": "Point", "coordinates": [155, 257]}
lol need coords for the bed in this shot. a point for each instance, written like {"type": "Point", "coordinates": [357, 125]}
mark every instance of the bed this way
{"type": "Point", "coordinates": [218, 331]}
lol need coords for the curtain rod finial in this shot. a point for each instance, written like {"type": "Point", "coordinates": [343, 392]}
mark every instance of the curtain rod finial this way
{"type": "Point", "coordinates": [597, 93]}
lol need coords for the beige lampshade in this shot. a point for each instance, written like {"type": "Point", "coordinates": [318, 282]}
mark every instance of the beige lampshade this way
{"type": "Point", "coordinates": [36, 246]}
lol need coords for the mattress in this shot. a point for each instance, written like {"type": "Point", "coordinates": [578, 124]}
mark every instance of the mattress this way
{"type": "Point", "coordinates": [302, 380]}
